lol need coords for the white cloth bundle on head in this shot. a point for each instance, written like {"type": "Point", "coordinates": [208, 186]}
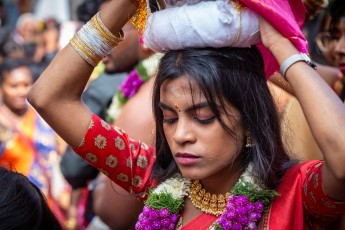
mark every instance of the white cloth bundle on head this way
{"type": "Point", "coordinates": [204, 24]}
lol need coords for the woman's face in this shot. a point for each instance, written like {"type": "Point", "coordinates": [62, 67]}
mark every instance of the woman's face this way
{"type": "Point", "coordinates": [199, 144]}
{"type": "Point", "coordinates": [15, 87]}
{"type": "Point", "coordinates": [338, 34]}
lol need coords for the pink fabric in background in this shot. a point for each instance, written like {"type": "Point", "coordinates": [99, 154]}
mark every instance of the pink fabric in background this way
{"type": "Point", "coordinates": [287, 16]}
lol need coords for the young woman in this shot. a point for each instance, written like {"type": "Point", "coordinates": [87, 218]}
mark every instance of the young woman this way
{"type": "Point", "coordinates": [219, 161]}
{"type": "Point", "coordinates": [27, 143]}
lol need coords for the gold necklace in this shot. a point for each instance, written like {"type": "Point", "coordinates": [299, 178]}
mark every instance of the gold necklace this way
{"type": "Point", "coordinates": [207, 203]}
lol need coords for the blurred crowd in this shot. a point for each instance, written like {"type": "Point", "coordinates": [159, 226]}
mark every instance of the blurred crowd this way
{"type": "Point", "coordinates": [29, 146]}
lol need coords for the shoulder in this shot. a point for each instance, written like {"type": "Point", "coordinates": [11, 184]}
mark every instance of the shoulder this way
{"type": "Point", "coordinates": [296, 175]}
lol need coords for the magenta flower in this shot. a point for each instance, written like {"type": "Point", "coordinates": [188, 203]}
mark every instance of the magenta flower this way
{"type": "Point", "coordinates": [131, 84]}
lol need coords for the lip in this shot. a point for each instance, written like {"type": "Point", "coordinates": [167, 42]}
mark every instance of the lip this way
{"type": "Point", "coordinates": [342, 67]}
{"type": "Point", "coordinates": [186, 159]}
{"type": "Point", "coordinates": [20, 101]}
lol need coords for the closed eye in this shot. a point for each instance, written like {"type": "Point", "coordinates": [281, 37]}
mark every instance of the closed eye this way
{"type": "Point", "coordinates": [169, 121]}
{"type": "Point", "coordinates": [205, 121]}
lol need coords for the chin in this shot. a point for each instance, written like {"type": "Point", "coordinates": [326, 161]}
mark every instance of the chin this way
{"type": "Point", "coordinates": [192, 175]}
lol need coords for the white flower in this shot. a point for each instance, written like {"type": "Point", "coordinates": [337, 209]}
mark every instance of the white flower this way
{"type": "Point", "coordinates": [177, 186]}
{"type": "Point", "coordinates": [247, 177]}
{"type": "Point", "coordinates": [115, 108]}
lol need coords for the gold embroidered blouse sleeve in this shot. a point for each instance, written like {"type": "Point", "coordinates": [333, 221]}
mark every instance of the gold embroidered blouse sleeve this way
{"type": "Point", "coordinates": [126, 162]}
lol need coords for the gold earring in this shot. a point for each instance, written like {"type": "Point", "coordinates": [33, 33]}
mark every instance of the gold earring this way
{"type": "Point", "coordinates": [249, 142]}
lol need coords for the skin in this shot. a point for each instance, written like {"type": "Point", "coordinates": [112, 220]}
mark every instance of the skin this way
{"type": "Point", "coordinates": [198, 154]}
{"type": "Point", "coordinates": [126, 53]}
{"type": "Point", "coordinates": [339, 48]}
{"type": "Point", "coordinates": [68, 73]}
{"type": "Point", "coordinates": [15, 88]}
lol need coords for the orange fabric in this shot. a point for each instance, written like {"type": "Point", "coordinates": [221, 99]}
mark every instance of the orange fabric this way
{"type": "Point", "coordinates": [15, 149]}
{"type": "Point", "coordinates": [30, 149]}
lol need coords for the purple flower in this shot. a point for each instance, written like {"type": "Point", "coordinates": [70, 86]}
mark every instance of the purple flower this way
{"type": "Point", "coordinates": [146, 221]}
{"type": "Point", "coordinates": [146, 210]}
{"type": "Point", "coordinates": [241, 210]}
{"type": "Point", "coordinates": [254, 216]}
{"type": "Point", "coordinates": [164, 212]}
{"type": "Point", "coordinates": [165, 222]}
{"type": "Point", "coordinates": [236, 226]}
{"type": "Point", "coordinates": [141, 216]}
{"type": "Point", "coordinates": [138, 226]}
{"type": "Point", "coordinates": [173, 218]}
{"type": "Point", "coordinates": [131, 84]}
{"type": "Point", "coordinates": [231, 199]}
{"type": "Point", "coordinates": [230, 207]}
{"type": "Point", "coordinates": [153, 214]}
{"type": "Point", "coordinates": [259, 206]}
{"type": "Point", "coordinates": [243, 220]}
{"type": "Point", "coordinates": [231, 215]}
{"type": "Point", "coordinates": [222, 221]}
{"type": "Point", "coordinates": [156, 225]}
{"type": "Point", "coordinates": [250, 207]}
{"type": "Point", "coordinates": [242, 200]}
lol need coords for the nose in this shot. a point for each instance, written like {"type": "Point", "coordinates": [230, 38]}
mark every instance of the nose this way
{"type": "Point", "coordinates": [340, 46]}
{"type": "Point", "coordinates": [23, 91]}
{"type": "Point", "coordinates": [184, 132]}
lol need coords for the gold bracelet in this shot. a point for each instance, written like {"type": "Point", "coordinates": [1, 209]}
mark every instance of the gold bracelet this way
{"type": "Point", "coordinates": [82, 52]}
{"type": "Point", "coordinates": [104, 30]}
{"type": "Point", "coordinates": [94, 41]}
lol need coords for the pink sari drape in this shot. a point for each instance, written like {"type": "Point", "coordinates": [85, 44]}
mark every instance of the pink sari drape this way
{"type": "Point", "coordinates": [287, 16]}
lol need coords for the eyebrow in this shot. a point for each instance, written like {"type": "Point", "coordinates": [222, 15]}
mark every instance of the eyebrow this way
{"type": "Point", "coordinates": [191, 108]}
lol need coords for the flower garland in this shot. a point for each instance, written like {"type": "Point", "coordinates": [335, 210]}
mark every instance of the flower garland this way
{"type": "Point", "coordinates": [130, 86]}
{"type": "Point", "coordinates": [244, 209]}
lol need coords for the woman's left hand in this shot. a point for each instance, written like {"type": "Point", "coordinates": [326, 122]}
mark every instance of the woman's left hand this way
{"type": "Point", "coordinates": [270, 37]}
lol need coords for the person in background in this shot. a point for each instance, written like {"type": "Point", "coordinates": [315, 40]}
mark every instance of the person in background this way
{"type": "Point", "coordinates": [23, 205]}
{"type": "Point", "coordinates": [25, 28]}
{"type": "Point", "coordinates": [27, 143]}
{"type": "Point", "coordinates": [337, 36]}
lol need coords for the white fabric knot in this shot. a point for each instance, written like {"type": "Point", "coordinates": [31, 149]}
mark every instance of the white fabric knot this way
{"type": "Point", "coordinates": [204, 24]}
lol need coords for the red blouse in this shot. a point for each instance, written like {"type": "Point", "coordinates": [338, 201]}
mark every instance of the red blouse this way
{"type": "Point", "coordinates": [302, 201]}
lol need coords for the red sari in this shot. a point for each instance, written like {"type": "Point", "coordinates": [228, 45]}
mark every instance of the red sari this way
{"type": "Point", "coordinates": [302, 203]}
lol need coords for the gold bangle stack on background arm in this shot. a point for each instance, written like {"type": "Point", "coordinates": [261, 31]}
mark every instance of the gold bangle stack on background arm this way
{"type": "Point", "coordinates": [94, 41]}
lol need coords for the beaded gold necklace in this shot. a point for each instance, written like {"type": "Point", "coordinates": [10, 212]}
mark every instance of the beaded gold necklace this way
{"type": "Point", "coordinates": [206, 202]}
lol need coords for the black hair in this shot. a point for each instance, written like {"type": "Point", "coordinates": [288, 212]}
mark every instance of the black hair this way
{"type": "Point", "coordinates": [232, 76]}
{"type": "Point", "coordinates": [10, 64]}
{"type": "Point", "coordinates": [22, 204]}
{"type": "Point", "coordinates": [87, 9]}
{"type": "Point", "coordinates": [336, 11]}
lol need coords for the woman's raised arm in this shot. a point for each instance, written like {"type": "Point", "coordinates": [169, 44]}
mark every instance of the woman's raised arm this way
{"type": "Point", "coordinates": [57, 93]}
{"type": "Point", "coordinates": [324, 111]}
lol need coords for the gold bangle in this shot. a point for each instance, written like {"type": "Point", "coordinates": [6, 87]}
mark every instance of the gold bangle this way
{"type": "Point", "coordinates": [105, 31]}
{"type": "Point", "coordinates": [90, 49]}
{"type": "Point", "coordinates": [82, 52]}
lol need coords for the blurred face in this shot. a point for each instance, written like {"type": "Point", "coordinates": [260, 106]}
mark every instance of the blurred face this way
{"type": "Point", "coordinates": [199, 144]}
{"type": "Point", "coordinates": [123, 57]}
{"type": "Point", "coordinates": [15, 87]}
{"type": "Point", "coordinates": [338, 34]}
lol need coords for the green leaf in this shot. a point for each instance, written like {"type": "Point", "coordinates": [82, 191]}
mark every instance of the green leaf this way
{"type": "Point", "coordinates": [164, 200]}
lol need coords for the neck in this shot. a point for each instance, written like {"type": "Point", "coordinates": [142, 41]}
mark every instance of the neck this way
{"type": "Point", "coordinates": [13, 113]}
{"type": "Point", "coordinates": [224, 181]}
